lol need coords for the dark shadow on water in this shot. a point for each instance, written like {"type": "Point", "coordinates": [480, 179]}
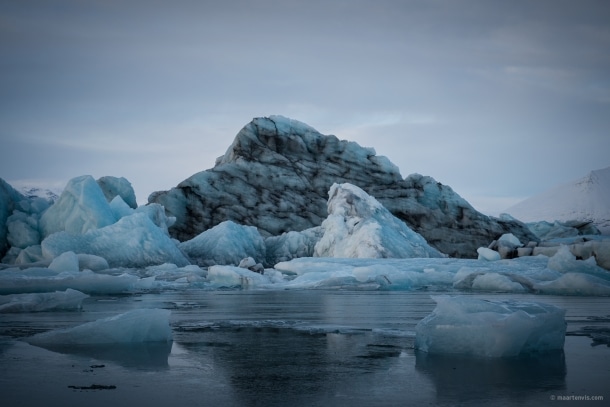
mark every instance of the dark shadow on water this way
{"type": "Point", "coordinates": [147, 355]}
{"type": "Point", "coordinates": [460, 379]}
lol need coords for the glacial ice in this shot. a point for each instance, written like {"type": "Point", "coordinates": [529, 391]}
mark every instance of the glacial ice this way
{"type": "Point", "coordinates": [136, 326]}
{"type": "Point", "coordinates": [526, 274]}
{"type": "Point", "coordinates": [291, 245]}
{"type": "Point", "coordinates": [59, 300]}
{"type": "Point", "coordinates": [276, 175]}
{"type": "Point", "coordinates": [81, 207]}
{"type": "Point", "coordinates": [9, 198]}
{"type": "Point", "coordinates": [359, 226]}
{"type": "Point", "coordinates": [40, 280]}
{"type": "Point", "coordinates": [67, 261]}
{"type": "Point", "coordinates": [114, 186]}
{"type": "Point", "coordinates": [22, 230]}
{"type": "Point", "coordinates": [133, 241]}
{"type": "Point", "coordinates": [488, 254]}
{"type": "Point", "coordinates": [236, 277]}
{"type": "Point", "coordinates": [476, 327]}
{"type": "Point", "coordinates": [225, 244]}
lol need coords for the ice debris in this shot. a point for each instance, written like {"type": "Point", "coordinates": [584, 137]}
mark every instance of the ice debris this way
{"type": "Point", "coordinates": [36, 302]}
{"type": "Point", "coordinates": [136, 326]}
{"type": "Point", "coordinates": [477, 327]}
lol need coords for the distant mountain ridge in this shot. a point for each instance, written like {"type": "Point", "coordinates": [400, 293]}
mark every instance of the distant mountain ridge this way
{"type": "Point", "coordinates": [585, 199]}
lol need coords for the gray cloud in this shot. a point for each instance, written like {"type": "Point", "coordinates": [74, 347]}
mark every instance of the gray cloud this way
{"type": "Point", "coordinates": [499, 100]}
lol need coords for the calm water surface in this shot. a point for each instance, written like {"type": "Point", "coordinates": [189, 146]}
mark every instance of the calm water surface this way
{"type": "Point", "coordinates": [296, 348]}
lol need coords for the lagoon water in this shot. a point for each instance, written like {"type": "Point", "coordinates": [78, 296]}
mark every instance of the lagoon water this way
{"type": "Point", "coordinates": [296, 348]}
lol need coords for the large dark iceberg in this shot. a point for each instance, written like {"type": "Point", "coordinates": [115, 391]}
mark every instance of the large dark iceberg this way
{"type": "Point", "coordinates": [276, 176]}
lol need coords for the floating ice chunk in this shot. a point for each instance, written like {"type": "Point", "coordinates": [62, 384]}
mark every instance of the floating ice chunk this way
{"type": "Point", "coordinates": [230, 276]}
{"type": "Point", "coordinates": [508, 239]}
{"type": "Point", "coordinates": [136, 326]}
{"type": "Point", "coordinates": [58, 300]}
{"type": "Point", "coordinates": [92, 262]}
{"type": "Point", "coordinates": [470, 326]}
{"type": "Point", "coordinates": [67, 261]}
{"type": "Point", "coordinates": [359, 226]}
{"type": "Point", "coordinates": [575, 284]}
{"type": "Point", "coordinates": [496, 282]}
{"type": "Point", "coordinates": [488, 254]}
{"type": "Point", "coordinates": [564, 261]}
{"type": "Point", "coordinates": [225, 244]}
{"type": "Point", "coordinates": [81, 207]}
{"type": "Point", "coordinates": [247, 263]}
{"type": "Point", "coordinates": [133, 241]}
{"type": "Point", "coordinates": [37, 280]}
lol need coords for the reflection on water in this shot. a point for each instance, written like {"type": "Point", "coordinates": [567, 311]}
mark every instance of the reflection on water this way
{"type": "Point", "coordinates": [296, 348]}
{"type": "Point", "coordinates": [462, 379]}
{"type": "Point", "coordinates": [147, 355]}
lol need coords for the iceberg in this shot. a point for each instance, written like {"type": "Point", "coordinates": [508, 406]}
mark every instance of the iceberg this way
{"type": "Point", "coordinates": [136, 326]}
{"type": "Point", "coordinates": [81, 207]}
{"type": "Point", "coordinates": [276, 175]}
{"type": "Point", "coordinates": [225, 244]}
{"type": "Point", "coordinates": [133, 241]}
{"type": "Point", "coordinates": [476, 327]}
{"type": "Point", "coordinates": [358, 226]}
{"type": "Point", "coordinates": [58, 300]}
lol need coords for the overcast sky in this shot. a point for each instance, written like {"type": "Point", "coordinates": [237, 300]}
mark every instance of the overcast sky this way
{"type": "Point", "coordinates": [500, 100]}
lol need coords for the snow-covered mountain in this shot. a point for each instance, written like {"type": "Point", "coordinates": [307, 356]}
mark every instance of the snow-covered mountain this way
{"type": "Point", "coordinates": [586, 199]}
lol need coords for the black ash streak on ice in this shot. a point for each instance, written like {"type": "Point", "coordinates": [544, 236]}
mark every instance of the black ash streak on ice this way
{"type": "Point", "coordinates": [276, 176]}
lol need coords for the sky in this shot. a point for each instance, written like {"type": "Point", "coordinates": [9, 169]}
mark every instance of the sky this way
{"type": "Point", "coordinates": [500, 100]}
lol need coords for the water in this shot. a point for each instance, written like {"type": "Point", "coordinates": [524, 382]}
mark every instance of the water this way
{"type": "Point", "coordinates": [295, 348]}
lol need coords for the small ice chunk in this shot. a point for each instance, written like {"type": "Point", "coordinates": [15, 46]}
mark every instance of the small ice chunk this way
{"type": "Point", "coordinates": [488, 254]}
{"type": "Point", "coordinates": [58, 300]}
{"type": "Point", "coordinates": [564, 261]}
{"type": "Point", "coordinates": [136, 326]}
{"type": "Point", "coordinates": [247, 263]}
{"type": "Point", "coordinates": [496, 282]}
{"type": "Point", "coordinates": [575, 284]}
{"type": "Point", "coordinates": [92, 262]}
{"type": "Point", "coordinates": [471, 326]}
{"type": "Point", "coordinates": [230, 276]}
{"type": "Point", "coordinates": [67, 261]}
{"type": "Point", "coordinates": [510, 240]}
